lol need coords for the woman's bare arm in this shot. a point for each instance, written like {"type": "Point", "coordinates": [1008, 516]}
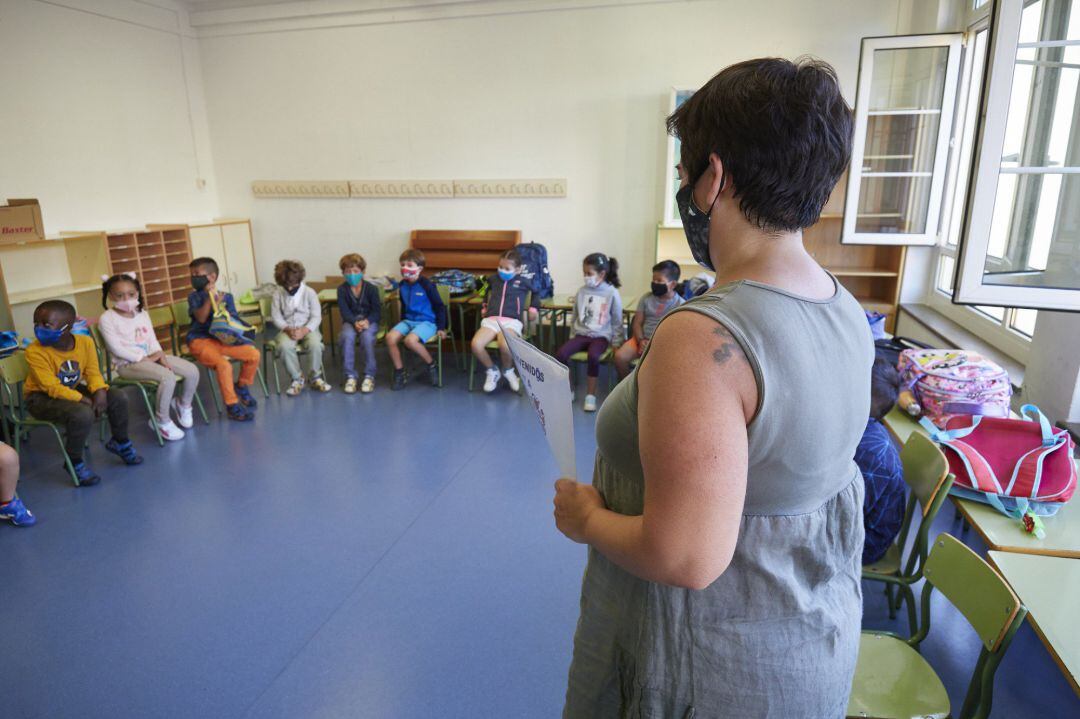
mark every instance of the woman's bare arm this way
{"type": "Point", "coordinates": [696, 394]}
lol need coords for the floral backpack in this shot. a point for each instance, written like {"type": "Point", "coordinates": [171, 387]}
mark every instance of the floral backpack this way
{"type": "Point", "coordinates": [948, 383]}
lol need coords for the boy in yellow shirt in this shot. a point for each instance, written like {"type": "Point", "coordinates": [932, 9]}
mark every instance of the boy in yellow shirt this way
{"type": "Point", "coordinates": [65, 387]}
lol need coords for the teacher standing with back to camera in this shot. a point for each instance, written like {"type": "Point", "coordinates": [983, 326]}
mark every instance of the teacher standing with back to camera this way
{"type": "Point", "coordinates": [724, 521]}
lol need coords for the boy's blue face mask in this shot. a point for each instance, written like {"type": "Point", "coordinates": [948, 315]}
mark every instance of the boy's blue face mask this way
{"type": "Point", "coordinates": [47, 336]}
{"type": "Point", "coordinates": [506, 275]}
{"type": "Point", "coordinates": [354, 278]}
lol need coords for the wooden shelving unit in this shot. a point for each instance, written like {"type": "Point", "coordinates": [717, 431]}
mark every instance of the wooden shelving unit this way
{"type": "Point", "coordinates": [872, 273]}
{"type": "Point", "coordinates": [159, 255]}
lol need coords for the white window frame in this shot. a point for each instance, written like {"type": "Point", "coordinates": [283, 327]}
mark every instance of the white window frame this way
{"type": "Point", "coordinates": [671, 212]}
{"type": "Point", "coordinates": [969, 286]}
{"type": "Point", "coordinates": [849, 235]}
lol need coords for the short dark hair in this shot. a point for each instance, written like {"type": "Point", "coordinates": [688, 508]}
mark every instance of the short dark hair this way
{"type": "Point", "coordinates": [670, 269]}
{"type": "Point", "coordinates": [288, 271]}
{"type": "Point", "coordinates": [782, 130]}
{"type": "Point", "coordinates": [512, 255]}
{"type": "Point", "coordinates": [63, 307]}
{"type": "Point", "coordinates": [884, 387]}
{"type": "Point", "coordinates": [205, 262]}
{"type": "Point", "coordinates": [413, 255]}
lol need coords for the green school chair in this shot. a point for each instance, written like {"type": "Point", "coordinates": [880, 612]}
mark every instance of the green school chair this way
{"type": "Point", "coordinates": [893, 680]}
{"type": "Point", "coordinates": [181, 321]}
{"type": "Point", "coordinates": [493, 346]}
{"type": "Point", "coordinates": [444, 295]}
{"type": "Point", "coordinates": [13, 373]}
{"type": "Point", "coordinates": [926, 472]}
{"type": "Point", "coordinates": [580, 358]}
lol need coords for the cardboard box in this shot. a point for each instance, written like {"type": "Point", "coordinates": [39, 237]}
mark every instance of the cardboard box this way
{"type": "Point", "coordinates": [20, 221]}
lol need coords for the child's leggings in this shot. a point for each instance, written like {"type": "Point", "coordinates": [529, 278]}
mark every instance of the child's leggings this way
{"type": "Point", "coordinates": [78, 418]}
{"type": "Point", "coordinates": [166, 379]}
{"type": "Point", "coordinates": [215, 355]}
{"type": "Point", "coordinates": [595, 346]}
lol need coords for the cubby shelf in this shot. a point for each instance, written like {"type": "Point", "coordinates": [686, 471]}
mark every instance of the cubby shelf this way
{"type": "Point", "coordinates": [152, 253]}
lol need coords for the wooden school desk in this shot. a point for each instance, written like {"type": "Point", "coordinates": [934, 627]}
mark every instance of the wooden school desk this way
{"type": "Point", "coordinates": [1048, 587]}
{"type": "Point", "coordinates": [1002, 533]}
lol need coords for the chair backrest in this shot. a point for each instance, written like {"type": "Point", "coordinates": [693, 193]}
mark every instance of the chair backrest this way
{"type": "Point", "coordinates": [161, 317]}
{"type": "Point", "coordinates": [925, 468]}
{"type": "Point", "coordinates": [444, 295]}
{"type": "Point", "coordinates": [102, 351]}
{"type": "Point", "coordinates": [988, 603]}
{"type": "Point", "coordinates": [264, 308]}
{"type": "Point", "coordinates": [180, 315]}
{"type": "Point", "coordinates": [13, 372]}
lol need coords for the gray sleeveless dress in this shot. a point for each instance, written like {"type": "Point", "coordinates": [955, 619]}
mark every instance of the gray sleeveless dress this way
{"type": "Point", "coordinates": [777, 634]}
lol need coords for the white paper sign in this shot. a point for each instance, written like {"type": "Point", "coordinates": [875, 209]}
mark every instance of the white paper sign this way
{"type": "Point", "coordinates": [547, 385]}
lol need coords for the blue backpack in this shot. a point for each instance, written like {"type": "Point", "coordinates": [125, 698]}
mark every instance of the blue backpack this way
{"type": "Point", "coordinates": [9, 342]}
{"type": "Point", "coordinates": [534, 269]}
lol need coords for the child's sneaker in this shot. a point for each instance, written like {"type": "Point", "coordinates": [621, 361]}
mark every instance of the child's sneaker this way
{"type": "Point", "coordinates": [168, 430]}
{"type": "Point", "coordinates": [17, 513]}
{"type": "Point", "coordinates": [512, 380]}
{"type": "Point", "coordinates": [295, 388]}
{"type": "Point", "coordinates": [350, 385]}
{"type": "Point", "coordinates": [239, 412]}
{"type": "Point", "coordinates": [124, 450]}
{"type": "Point", "coordinates": [368, 386]}
{"type": "Point", "coordinates": [590, 403]}
{"type": "Point", "coordinates": [399, 380]}
{"type": "Point", "coordinates": [433, 374]}
{"type": "Point", "coordinates": [84, 474]}
{"type": "Point", "coordinates": [246, 398]}
{"type": "Point", "coordinates": [184, 417]}
{"type": "Point", "coordinates": [491, 379]}
{"type": "Point", "coordinates": [320, 384]}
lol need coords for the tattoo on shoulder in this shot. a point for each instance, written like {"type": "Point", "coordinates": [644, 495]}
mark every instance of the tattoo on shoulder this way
{"type": "Point", "coordinates": [728, 348]}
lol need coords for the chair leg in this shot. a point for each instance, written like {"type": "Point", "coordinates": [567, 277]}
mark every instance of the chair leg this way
{"type": "Point", "coordinates": [215, 393]}
{"type": "Point", "coordinates": [909, 598]}
{"type": "Point", "coordinates": [472, 371]}
{"type": "Point", "coordinates": [891, 599]}
{"type": "Point", "coordinates": [153, 415]}
{"type": "Point", "coordinates": [202, 410]}
{"type": "Point", "coordinates": [262, 381]}
{"type": "Point", "coordinates": [67, 457]}
{"type": "Point", "coordinates": [440, 360]}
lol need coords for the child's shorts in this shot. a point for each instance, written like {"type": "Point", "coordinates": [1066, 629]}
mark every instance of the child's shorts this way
{"type": "Point", "coordinates": [508, 323]}
{"type": "Point", "coordinates": [424, 330]}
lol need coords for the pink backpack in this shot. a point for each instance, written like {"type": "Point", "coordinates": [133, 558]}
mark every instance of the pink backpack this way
{"type": "Point", "coordinates": [1014, 465]}
{"type": "Point", "coordinates": [948, 383]}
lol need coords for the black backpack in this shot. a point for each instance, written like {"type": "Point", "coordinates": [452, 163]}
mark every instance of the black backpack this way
{"type": "Point", "coordinates": [534, 269]}
{"type": "Point", "coordinates": [890, 349]}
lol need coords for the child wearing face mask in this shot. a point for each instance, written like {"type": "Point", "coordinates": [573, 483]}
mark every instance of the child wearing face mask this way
{"type": "Point", "coordinates": [598, 319]}
{"type": "Point", "coordinates": [423, 317]}
{"type": "Point", "coordinates": [504, 307]}
{"type": "Point", "coordinates": [296, 312]}
{"type": "Point", "coordinates": [661, 299]}
{"type": "Point", "coordinates": [211, 352]}
{"type": "Point", "coordinates": [65, 386]}
{"type": "Point", "coordinates": [361, 311]}
{"type": "Point", "coordinates": [136, 353]}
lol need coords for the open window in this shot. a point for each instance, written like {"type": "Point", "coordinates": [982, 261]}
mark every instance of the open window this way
{"type": "Point", "coordinates": [1021, 247]}
{"type": "Point", "coordinates": [904, 111]}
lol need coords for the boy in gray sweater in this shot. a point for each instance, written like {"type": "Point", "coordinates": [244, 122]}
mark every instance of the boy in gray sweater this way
{"type": "Point", "coordinates": [296, 311]}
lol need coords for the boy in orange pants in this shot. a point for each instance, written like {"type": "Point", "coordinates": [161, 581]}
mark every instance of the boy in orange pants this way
{"type": "Point", "coordinates": [210, 352]}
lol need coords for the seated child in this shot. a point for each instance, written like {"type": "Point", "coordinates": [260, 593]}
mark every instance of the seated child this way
{"type": "Point", "coordinates": [11, 507]}
{"type": "Point", "coordinates": [211, 352]}
{"type": "Point", "coordinates": [361, 311]}
{"type": "Point", "coordinates": [423, 317]}
{"type": "Point", "coordinates": [296, 311]}
{"type": "Point", "coordinates": [879, 460]}
{"type": "Point", "coordinates": [651, 307]}
{"type": "Point", "coordinates": [504, 306]}
{"type": "Point", "coordinates": [65, 387]}
{"type": "Point", "coordinates": [598, 319]}
{"type": "Point", "coordinates": [137, 355]}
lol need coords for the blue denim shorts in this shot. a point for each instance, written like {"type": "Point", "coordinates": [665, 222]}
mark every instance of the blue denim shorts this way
{"type": "Point", "coordinates": [423, 330]}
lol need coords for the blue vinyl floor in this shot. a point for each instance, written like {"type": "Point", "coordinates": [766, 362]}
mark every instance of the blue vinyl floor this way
{"type": "Point", "coordinates": [391, 555]}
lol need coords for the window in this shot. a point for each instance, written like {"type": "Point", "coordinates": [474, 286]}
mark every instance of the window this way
{"type": "Point", "coordinates": [903, 118]}
{"type": "Point", "coordinates": [1022, 244]}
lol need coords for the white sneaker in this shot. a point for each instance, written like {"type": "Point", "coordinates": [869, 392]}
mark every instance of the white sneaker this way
{"type": "Point", "coordinates": [183, 414]}
{"type": "Point", "coordinates": [169, 431]}
{"type": "Point", "coordinates": [368, 385]}
{"type": "Point", "coordinates": [295, 388]}
{"type": "Point", "coordinates": [350, 385]}
{"type": "Point", "coordinates": [590, 403]}
{"type": "Point", "coordinates": [320, 384]}
{"type": "Point", "coordinates": [512, 380]}
{"type": "Point", "coordinates": [491, 381]}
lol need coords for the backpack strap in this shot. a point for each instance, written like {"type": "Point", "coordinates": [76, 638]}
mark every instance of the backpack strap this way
{"type": "Point", "coordinates": [1048, 438]}
{"type": "Point", "coordinates": [978, 469]}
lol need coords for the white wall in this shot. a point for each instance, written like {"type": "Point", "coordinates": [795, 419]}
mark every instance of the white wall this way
{"type": "Point", "coordinates": [580, 94]}
{"type": "Point", "coordinates": [101, 113]}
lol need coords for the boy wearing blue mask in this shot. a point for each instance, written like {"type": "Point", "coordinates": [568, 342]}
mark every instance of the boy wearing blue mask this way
{"type": "Point", "coordinates": [361, 311]}
{"type": "Point", "coordinates": [504, 306]}
{"type": "Point", "coordinates": [65, 387]}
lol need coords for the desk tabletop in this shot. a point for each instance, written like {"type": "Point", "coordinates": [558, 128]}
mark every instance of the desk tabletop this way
{"type": "Point", "coordinates": [1048, 587]}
